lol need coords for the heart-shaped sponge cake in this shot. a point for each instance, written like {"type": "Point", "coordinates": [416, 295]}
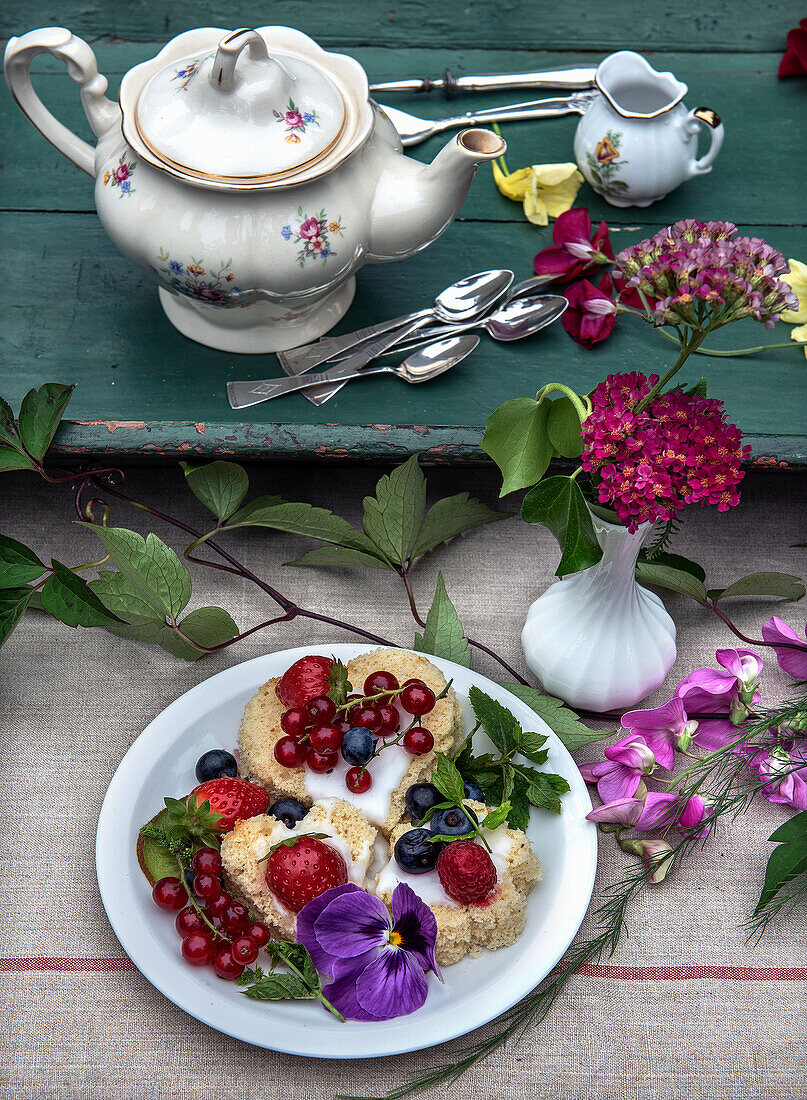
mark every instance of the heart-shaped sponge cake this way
{"type": "Point", "coordinates": [497, 921]}
{"type": "Point", "coordinates": [392, 771]}
{"type": "Point", "coordinates": [245, 848]}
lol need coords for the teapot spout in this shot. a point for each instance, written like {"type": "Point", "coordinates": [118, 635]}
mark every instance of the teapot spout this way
{"type": "Point", "coordinates": [414, 203]}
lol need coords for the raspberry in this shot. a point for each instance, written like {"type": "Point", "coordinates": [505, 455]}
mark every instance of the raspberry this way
{"type": "Point", "coordinates": [466, 872]}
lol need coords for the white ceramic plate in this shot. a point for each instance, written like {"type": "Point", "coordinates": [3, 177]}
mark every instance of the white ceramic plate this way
{"type": "Point", "coordinates": [161, 762]}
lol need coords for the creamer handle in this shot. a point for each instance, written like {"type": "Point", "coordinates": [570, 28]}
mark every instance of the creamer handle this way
{"type": "Point", "coordinates": [82, 67]}
{"type": "Point", "coordinates": [693, 124]}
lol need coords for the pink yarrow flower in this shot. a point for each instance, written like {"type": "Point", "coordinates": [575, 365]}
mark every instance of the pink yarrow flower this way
{"type": "Point", "coordinates": [575, 251]}
{"type": "Point", "coordinates": [619, 775]}
{"type": "Point", "coordinates": [664, 729]}
{"type": "Point", "coordinates": [592, 312]}
{"type": "Point", "coordinates": [792, 661]}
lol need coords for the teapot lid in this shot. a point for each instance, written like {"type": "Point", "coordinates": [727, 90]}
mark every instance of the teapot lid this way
{"type": "Point", "coordinates": [240, 114]}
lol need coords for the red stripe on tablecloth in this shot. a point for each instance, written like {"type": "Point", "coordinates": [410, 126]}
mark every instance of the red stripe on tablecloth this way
{"type": "Point", "coordinates": [590, 970]}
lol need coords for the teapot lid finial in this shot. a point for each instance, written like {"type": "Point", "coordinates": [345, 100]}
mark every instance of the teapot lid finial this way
{"type": "Point", "coordinates": [240, 112]}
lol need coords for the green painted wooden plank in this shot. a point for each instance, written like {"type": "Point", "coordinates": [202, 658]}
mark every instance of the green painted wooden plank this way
{"type": "Point", "coordinates": [766, 164]}
{"type": "Point", "coordinates": [528, 24]}
{"type": "Point", "coordinates": [78, 312]}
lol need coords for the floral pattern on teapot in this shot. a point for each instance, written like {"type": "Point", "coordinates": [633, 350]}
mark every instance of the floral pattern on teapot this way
{"type": "Point", "coordinates": [121, 177]}
{"type": "Point", "coordinates": [295, 121]}
{"type": "Point", "coordinates": [186, 75]}
{"type": "Point", "coordinates": [313, 233]}
{"type": "Point", "coordinates": [194, 280]}
{"type": "Point", "coordinates": [604, 165]}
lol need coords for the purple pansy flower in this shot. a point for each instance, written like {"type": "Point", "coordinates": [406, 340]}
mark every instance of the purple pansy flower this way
{"type": "Point", "coordinates": [378, 964]}
{"type": "Point", "coordinates": [792, 661]}
{"type": "Point", "coordinates": [664, 729]}
{"type": "Point", "coordinates": [619, 775]}
{"type": "Point", "coordinates": [719, 691]}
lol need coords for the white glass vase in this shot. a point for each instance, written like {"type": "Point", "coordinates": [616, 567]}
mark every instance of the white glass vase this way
{"type": "Point", "coordinates": [597, 639]}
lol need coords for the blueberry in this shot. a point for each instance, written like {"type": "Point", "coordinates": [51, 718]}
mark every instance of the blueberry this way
{"type": "Point", "coordinates": [358, 745]}
{"type": "Point", "coordinates": [415, 854]}
{"type": "Point", "coordinates": [189, 876]}
{"type": "Point", "coordinates": [473, 792]}
{"type": "Point", "coordinates": [216, 764]}
{"type": "Point", "coordinates": [453, 821]}
{"type": "Point", "coordinates": [419, 800]}
{"type": "Point", "coordinates": [288, 810]}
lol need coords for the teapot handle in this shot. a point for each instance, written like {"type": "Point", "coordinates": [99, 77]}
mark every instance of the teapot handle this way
{"type": "Point", "coordinates": [83, 68]}
{"type": "Point", "coordinates": [692, 125]}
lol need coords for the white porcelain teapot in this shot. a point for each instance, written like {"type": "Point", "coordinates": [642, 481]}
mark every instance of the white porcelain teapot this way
{"type": "Point", "coordinates": [637, 141]}
{"type": "Point", "coordinates": [250, 174]}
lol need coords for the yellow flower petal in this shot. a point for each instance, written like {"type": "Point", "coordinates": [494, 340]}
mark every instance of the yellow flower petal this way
{"type": "Point", "coordinates": [513, 186]}
{"type": "Point", "coordinates": [800, 334]}
{"type": "Point", "coordinates": [546, 190]}
{"type": "Point", "coordinates": [796, 277]}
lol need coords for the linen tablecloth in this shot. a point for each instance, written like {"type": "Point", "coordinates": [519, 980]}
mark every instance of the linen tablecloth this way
{"type": "Point", "coordinates": [685, 1008]}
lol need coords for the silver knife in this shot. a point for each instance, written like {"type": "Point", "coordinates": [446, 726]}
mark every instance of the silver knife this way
{"type": "Point", "coordinates": [579, 77]}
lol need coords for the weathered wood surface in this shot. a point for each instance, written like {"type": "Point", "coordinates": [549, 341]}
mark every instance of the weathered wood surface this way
{"type": "Point", "coordinates": [76, 310]}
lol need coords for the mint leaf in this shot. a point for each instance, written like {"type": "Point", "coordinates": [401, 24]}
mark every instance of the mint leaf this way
{"type": "Point", "coordinates": [563, 428]}
{"type": "Point", "coordinates": [392, 518]}
{"type": "Point", "coordinates": [450, 517]}
{"type": "Point", "coordinates": [152, 567]}
{"type": "Point", "coordinates": [519, 815]}
{"type": "Point", "coordinates": [40, 415]}
{"type": "Point", "coordinates": [220, 486]}
{"type": "Point", "coordinates": [13, 602]}
{"type": "Point", "coordinates": [443, 635]}
{"type": "Point", "coordinates": [542, 788]}
{"type": "Point", "coordinates": [676, 580]}
{"type": "Point", "coordinates": [498, 723]}
{"type": "Point", "coordinates": [787, 861]}
{"type": "Point", "coordinates": [559, 718]}
{"type": "Point", "coordinates": [274, 987]}
{"type": "Point", "coordinates": [559, 505]}
{"type": "Point", "coordinates": [783, 585]}
{"type": "Point", "coordinates": [339, 557]}
{"type": "Point", "coordinates": [68, 598]}
{"type": "Point", "coordinates": [517, 441]}
{"type": "Point", "coordinates": [18, 564]}
{"type": "Point", "coordinates": [447, 779]}
{"type": "Point", "coordinates": [496, 817]}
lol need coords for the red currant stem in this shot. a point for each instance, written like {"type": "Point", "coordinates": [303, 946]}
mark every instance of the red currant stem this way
{"type": "Point", "coordinates": [369, 698]}
{"type": "Point", "coordinates": [195, 904]}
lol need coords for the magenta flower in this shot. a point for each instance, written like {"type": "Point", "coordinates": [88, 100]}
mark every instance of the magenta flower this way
{"type": "Point", "coordinates": [575, 251]}
{"type": "Point", "coordinates": [378, 964]}
{"type": "Point", "coordinates": [788, 781]}
{"type": "Point", "coordinates": [309, 229]}
{"type": "Point", "coordinates": [591, 315]}
{"type": "Point", "coordinates": [122, 172]}
{"type": "Point", "coordinates": [656, 853]}
{"type": "Point", "coordinates": [619, 775]}
{"type": "Point", "coordinates": [659, 809]}
{"type": "Point", "coordinates": [725, 690]}
{"type": "Point", "coordinates": [664, 729]}
{"type": "Point", "coordinates": [293, 119]}
{"type": "Point", "coordinates": [715, 733]}
{"type": "Point", "coordinates": [792, 661]}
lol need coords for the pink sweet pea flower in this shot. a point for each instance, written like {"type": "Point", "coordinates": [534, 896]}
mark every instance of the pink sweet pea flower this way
{"type": "Point", "coordinates": [721, 691]}
{"type": "Point", "coordinates": [656, 853]}
{"type": "Point", "coordinates": [792, 661]}
{"type": "Point", "coordinates": [664, 729]}
{"type": "Point", "coordinates": [619, 775]}
{"type": "Point", "coordinates": [659, 809]}
{"type": "Point", "coordinates": [782, 760]}
{"type": "Point", "coordinates": [591, 315]}
{"type": "Point", "coordinates": [715, 733]}
{"type": "Point", "coordinates": [575, 251]}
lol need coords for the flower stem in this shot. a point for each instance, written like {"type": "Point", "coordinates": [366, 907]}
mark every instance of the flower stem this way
{"type": "Point", "coordinates": [579, 407]}
{"type": "Point", "coordinates": [686, 350]}
{"type": "Point", "coordinates": [738, 351]}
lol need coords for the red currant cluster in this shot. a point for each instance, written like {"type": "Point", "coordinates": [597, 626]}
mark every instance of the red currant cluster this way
{"type": "Point", "coordinates": [222, 934]}
{"type": "Point", "coordinates": [314, 733]}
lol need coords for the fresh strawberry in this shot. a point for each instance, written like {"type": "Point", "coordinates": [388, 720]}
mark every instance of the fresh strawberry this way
{"type": "Point", "coordinates": [233, 799]}
{"type": "Point", "coordinates": [300, 871]}
{"type": "Point", "coordinates": [466, 872]}
{"type": "Point", "coordinates": [306, 679]}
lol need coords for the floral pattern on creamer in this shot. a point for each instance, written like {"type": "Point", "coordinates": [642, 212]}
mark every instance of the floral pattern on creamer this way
{"type": "Point", "coordinates": [295, 121]}
{"type": "Point", "coordinates": [213, 285]}
{"type": "Point", "coordinates": [605, 163]}
{"type": "Point", "coordinates": [121, 177]}
{"type": "Point", "coordinates": [186, 75]}
{"type": "Point", "coordinates": [313, 233]}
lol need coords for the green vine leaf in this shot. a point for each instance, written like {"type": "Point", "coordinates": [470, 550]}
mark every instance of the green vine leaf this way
{"type": "Point", "coordinates": [207, 626]}
{"type": "Point", "coordinates": [18, 564]}
{"type": "Point", "coordinates": [150, 566]}
{"type": "Point", "coordinates": [450, 517]}
{"type": "Point", "coordinates": [220, 486]}
{"type": "Point", "coordinates": [563, 428]}
{"type": "Point", "coordinates": [676, 580]}
{"type": "Point", "coordinates": [787, 861]}
{"type": "Point", "coordinates": [40, 415]}
{"type": "Point", "coordinates": [302, 519]}
{"type": "Point", "coordinates": [516, 439]}
{"type": "Point", "coordinates": [12, 459]}
{"type": "Point", "coordinates": [443, 635]}
{"type": "Point", "coordinates": [676, 561]}
{"type": "Point", "coordinates": [559, 505]}
{"type": "Point", "coordinates": [68, 598]}
{"type": "Point", "coordinates": [783, 585]}
{"type": "Point", "coordinates": [13, 602]}
{"type": "Point", "coordinates": [392, 518]}
{"type": "Point", "coordinates": [339, 557]}
{"type": "Point", "coordinates": [562, 721]}
{"type": "Point", "coordinates": [12, 452]}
